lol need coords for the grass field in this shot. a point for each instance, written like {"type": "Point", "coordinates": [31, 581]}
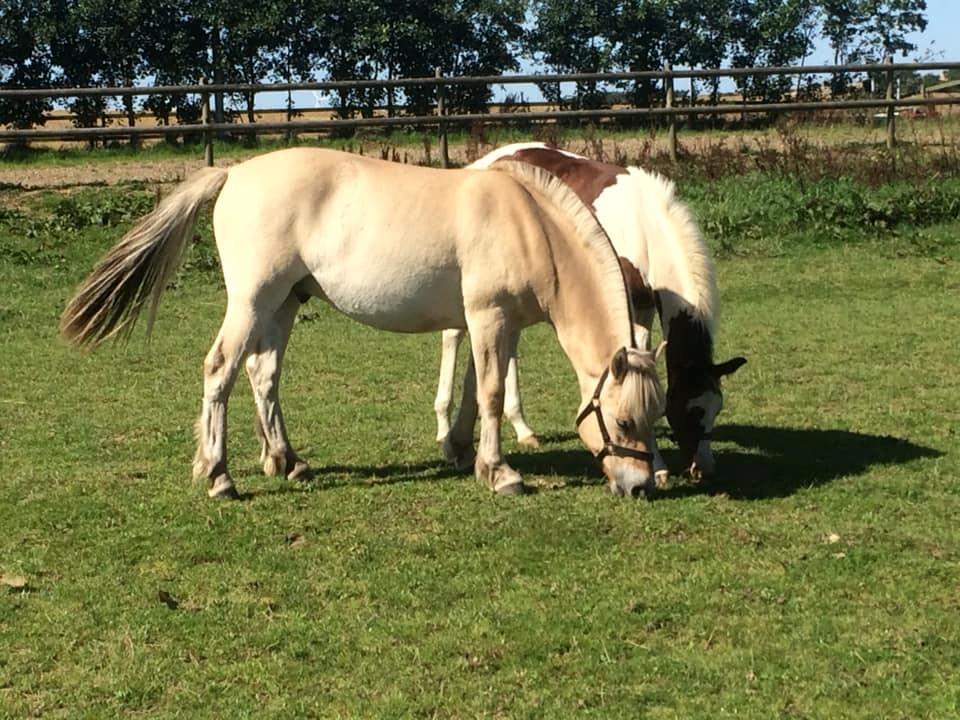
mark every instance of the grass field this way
{"type": "Point", "coordinates": [816, 578]}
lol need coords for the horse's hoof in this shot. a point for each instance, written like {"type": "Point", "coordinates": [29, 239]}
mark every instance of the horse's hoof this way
{"type": "Point", "coordinates": [462, 458]}
{"type": "Point", "coordinates": [299, 472]}
{"type": "Point", "coordinates": [661, 479]}
{"type": "Point", "coordinates": [273, 465]}
{"type": "Point", "coordinates": [517, 488]}
{"type": "Point", "coordinates": [530, 441]}
{"type": "Point", "coordinates": [503, 480]}
{"type": "Point", "coordinates": [223, 488]}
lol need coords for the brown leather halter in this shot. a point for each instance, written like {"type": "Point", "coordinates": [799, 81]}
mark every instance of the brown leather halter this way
{"type": "Point", "coordinates": [609, 448]}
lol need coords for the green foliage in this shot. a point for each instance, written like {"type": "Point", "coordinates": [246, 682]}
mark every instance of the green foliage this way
{"type": "Point", "coordinates": [25, 59]}
{"type": "Point", "coordinates": [39, 234]}
{"type": "Point", "coordinates": [747, 212]}
{"type": "Point", "coordinates": [868, 30]}
{"type": "Point", "coordinates": [170, 42]}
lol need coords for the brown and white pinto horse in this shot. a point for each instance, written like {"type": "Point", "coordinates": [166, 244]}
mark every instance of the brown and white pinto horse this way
{"type": "Point", "coordinates": [667, 267]}
{"type": "Point", "coordinates": [400, 248]}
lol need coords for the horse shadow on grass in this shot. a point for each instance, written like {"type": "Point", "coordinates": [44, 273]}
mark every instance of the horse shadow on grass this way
{"type": "Point", "coordinates": [767, 462]}
{"type": "Point", "coordinates": [328, 477]}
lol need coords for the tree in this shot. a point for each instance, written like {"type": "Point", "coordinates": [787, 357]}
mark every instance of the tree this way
{"type": "Point", "coordinates": [886, 25]}
{"type": "Point", "coordinates": [481, 37]}
{"type": "Point", "coordinates": [25, 59]}
{"type": "Point", "coordinates": [772, 33]}
{"type": "Point", "coordinates": [175, 51]}
{"type": "Point", "coordinates": [869, 30]}
{"type": "Point", "coordinates": [574, 37]}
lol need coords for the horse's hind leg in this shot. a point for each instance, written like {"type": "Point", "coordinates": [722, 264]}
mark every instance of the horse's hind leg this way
{"type": "Point", "coordinates": [513, 407]}
{"type": "Point", "coordinates": [458, 444]}
{"type": "Point", "coordinates": [449, 345]}
{"type": "Point", "coordinates": [236, 337]}
{"type": "Point", "coordinates": [263, 368]}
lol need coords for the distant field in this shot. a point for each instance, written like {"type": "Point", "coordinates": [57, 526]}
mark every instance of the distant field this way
{"type": "Point", "coordinates": [817, 578]}
{"type": "Point", "coordinates": [791, 146]}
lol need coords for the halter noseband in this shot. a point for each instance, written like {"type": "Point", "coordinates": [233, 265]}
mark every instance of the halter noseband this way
{"type": "Point", "coordinates": [609, 448]}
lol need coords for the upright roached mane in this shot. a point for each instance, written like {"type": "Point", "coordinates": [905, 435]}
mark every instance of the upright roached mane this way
{"type": "Point", "coordinates": [681, 241]}
{"type": "Point", "coordinates": [495, 251]}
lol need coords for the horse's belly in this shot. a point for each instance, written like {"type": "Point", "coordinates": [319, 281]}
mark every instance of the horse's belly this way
{"type": "Point", "coordinates": [407, 299]}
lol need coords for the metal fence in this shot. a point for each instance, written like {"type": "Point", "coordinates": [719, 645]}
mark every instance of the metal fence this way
{"type": "Point", "coordinates": [440, 119]}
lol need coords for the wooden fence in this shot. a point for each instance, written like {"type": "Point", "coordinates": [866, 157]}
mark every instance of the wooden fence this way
{"type": "Point", "coordinates": [441, 120]}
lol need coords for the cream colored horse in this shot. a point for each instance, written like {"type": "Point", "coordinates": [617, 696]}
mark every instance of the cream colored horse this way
{"type": "Point", "coordinates": [399, 248]}
{"type": "Point", "coordinates": [662, 251]}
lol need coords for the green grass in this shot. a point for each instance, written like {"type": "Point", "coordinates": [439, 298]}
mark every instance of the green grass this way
{"type": "Point", "coordinates": [817, 578]}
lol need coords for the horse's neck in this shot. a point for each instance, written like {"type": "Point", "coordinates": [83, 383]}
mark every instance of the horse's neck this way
{"type": "Point", "coordinates": [581, 286]}
{"type": "Point", "coordinates": [588, 329]}
{"type": "Point", "coordinates": [665, 243]}
{"type": "Point", "coordinates": [689, 337]}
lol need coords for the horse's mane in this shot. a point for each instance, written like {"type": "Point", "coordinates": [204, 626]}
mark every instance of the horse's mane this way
{"type": "Point", "coordinates": [689, 253]}
{"type": "Point", "coordinates": [587, 229]}
{"type": "Point", "coordinates": [642, 397]}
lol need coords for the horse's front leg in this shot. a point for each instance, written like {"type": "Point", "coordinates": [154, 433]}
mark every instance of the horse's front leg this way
{"type": "Point", "coordinates": [263, 368]}
{"type": "Point", "coordinates": [661, 474]}
{"type": "Point", "coordinates": [449, 345]}
{"type": "Point", "coordinates": [492, 340]}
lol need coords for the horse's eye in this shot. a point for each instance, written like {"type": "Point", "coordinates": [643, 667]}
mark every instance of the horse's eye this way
{"type": "Point", "coordinates": [625, 425]}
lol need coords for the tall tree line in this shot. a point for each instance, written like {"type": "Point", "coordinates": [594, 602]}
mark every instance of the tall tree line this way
{"type": "Point", "coordinates": [169, 42]}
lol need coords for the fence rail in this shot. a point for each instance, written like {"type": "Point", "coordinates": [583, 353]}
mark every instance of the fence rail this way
{"type": "Point", "coordinates": [670, 111]}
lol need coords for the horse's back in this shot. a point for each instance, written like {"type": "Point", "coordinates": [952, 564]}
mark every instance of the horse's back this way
{"type": "Point", "coordinates": [387, 244]}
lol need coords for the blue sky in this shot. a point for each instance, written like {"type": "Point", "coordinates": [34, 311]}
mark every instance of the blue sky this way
{"type": "Point", "coordinates": [940, 41]}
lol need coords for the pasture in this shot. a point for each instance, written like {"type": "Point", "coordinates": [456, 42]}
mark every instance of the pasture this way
{"type": "Point", "coordinates": [816, 577]}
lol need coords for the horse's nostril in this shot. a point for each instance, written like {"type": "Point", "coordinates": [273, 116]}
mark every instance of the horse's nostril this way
{"type": "Point", "coordinates": [636, 491]}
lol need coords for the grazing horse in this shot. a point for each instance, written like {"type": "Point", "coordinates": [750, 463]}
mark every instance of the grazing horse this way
{"type": "Point", "coordinates": [400, 248]}
{"type": "Point", "coordinates": [657, 239]}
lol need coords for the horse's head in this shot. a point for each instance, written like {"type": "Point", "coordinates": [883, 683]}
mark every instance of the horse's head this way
{"type": "Point", "coordinates": [694, 399]}
{"type": "Point", "coordinates": [616, 423]}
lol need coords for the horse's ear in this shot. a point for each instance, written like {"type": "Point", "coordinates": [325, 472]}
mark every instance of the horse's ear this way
{"type": "Point", "coordinates": [729, 367]}
{"type": "Point", "coordinates": [619, 365]}
{"type": "Point", "coordinates": [659, 351]}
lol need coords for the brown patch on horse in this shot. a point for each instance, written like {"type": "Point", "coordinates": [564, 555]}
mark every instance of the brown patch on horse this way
{"type": "Point", "coordinates": [641, 294]}
{"type": "Point", "coordinates": [587, 178]}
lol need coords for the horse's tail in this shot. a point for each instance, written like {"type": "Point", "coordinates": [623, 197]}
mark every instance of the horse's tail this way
{"type": "Point", "coordinates": [139, 266]}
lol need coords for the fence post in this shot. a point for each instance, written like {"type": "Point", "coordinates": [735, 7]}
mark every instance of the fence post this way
{"type": "Point", "coordinates": [205, 121]}
{"type": "Point", "coordinates": [442, 128]}
{"type": "Point", "coordinates": [668, 82]}
{"type": "Point", "coordinates": [891, 111]}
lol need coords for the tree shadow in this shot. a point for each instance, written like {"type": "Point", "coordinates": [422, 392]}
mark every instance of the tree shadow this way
{"type": "Point", "coordinates": [778, 461]}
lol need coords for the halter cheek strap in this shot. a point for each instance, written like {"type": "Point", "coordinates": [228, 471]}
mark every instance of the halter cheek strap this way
{"type": "Point", "coordinates": [609, 448]}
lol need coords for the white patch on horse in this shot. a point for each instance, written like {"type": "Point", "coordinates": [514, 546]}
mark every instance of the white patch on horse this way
{"type": "Point", "coordinates": [711, 403]}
